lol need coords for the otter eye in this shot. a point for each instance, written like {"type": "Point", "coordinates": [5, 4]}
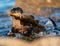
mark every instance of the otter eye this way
{"type": "Point", "coordinates": [12, 11]}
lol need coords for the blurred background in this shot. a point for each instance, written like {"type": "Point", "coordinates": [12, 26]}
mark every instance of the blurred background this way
{"type": "Point", "coordinates": [42, 10]}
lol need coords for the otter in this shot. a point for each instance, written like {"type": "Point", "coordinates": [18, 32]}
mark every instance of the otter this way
{"type": "Point", "coordinates": [25, 21]}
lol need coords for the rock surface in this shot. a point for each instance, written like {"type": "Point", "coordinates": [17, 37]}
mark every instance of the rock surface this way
{"type": "Point", "coordinates": [45, 41]}
{"type": "Point", "coordinates": [34, 6]}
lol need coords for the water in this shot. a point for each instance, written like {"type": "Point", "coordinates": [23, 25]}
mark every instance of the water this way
{"type": "Point", "coordinates": [49, 25]}
{"type": "Point", "coordinates": [5, 25]}
{"type": "Point", "coordinates": [5, 22]}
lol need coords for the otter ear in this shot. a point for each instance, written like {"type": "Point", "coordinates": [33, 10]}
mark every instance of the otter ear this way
{"type": "Point", "coordinates": [21, 11]}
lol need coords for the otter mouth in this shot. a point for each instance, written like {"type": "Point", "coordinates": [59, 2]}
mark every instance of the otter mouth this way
{"type": "Point", "coordinates": [16, 15]}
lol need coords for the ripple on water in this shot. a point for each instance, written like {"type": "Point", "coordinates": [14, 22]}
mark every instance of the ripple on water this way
{"type": "Point", "coordinates": [5, 25]}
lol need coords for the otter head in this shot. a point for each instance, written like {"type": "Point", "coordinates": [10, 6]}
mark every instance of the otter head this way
{"type": "Point", "coordinates": [16, 12]}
